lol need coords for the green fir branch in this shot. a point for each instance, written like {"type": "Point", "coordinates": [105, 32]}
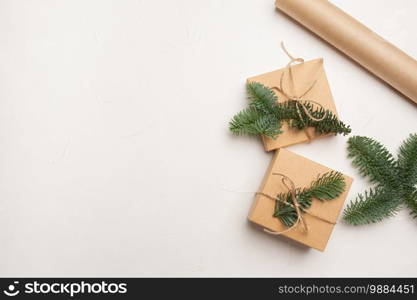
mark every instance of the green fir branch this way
{"type": "Point", "coordinates": [251, 122]}
{"type": "Point", "coordinates": [287, 213]}
{"type": "Point", "coordinates": [373, 160]}
{"type": "Point", "coordinates": [410, 199]}
{"type": "Point", "coordinates": [326, 187]}
{"type": "Point", "coordinates": [261, 98]}
{"type": "Point", "coordinates": [407, 161]}
{"type": "Point", "coordinates": [329, 122]}
{"type": "Point", "coordinates": [265, 115]}
{"type": "Point", "coordinates": [371, 207]}
{"type": "Point", "coordinates": [394, 180]}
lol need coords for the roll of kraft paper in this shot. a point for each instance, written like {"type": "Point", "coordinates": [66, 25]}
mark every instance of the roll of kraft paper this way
{"type": "Point", "coordinates": [357, 41]}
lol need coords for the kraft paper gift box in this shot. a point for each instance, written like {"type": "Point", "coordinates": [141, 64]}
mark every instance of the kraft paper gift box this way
{"type": "Point", "coordinates": [304, 75]}
{"type": "Point", "coordinates": [302, 172]}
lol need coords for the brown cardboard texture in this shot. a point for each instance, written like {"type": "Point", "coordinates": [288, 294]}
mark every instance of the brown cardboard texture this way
{"type": "Point", "coordinates": [304, 75]}
{"type": "Point", "coordinates": [302, 172]}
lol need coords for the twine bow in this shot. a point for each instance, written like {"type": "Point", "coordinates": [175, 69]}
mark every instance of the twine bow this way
{"type": "Point", "coordinates": [299, 102]}
{"type": "Point", "coordinates": [289, 184]}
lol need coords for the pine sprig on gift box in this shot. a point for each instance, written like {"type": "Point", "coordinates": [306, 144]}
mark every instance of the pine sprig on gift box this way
{"type": "Point", "coordinates": [395, 180]}
{"type": "Point", "coordinates": [326, 187]}
{"type": "Point", "coordinates": [329, 124]}
{"type": "Point", "coordinates": [265, 115]}
{"type": "Point", "coordinates": [252, 122]}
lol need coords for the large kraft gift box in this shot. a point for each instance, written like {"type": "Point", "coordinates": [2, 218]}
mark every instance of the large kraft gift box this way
{"type": "Point", "coordinates": [302, 172]}
{"type": "Point", "coordinates": [304, 75]}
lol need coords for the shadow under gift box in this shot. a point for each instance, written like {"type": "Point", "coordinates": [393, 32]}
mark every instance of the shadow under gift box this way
{"type": "Point", "coordinates": [302, 172]}
{"type": "Point", "coordinates": [304, 75]}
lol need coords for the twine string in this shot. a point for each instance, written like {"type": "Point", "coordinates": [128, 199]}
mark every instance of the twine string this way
{"type": "Point", "coordinates": [300, 103]}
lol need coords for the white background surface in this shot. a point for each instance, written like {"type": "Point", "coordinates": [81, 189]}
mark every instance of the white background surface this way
{"type": "Point", "coordinates": [115, 155]}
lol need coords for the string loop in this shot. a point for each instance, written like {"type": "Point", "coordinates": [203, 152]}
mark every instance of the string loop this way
{"type": "Point", "coordinates": [301, 104]}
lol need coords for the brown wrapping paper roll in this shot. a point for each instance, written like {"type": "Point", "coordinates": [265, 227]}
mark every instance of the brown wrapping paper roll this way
{"type": "Point", "coordinates": [357, 41]}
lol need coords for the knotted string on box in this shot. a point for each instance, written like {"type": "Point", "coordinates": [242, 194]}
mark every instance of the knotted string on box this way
{"type": "Point", "coordinates": [300, 103]}
{"type": "Point", "coordinates": [289, 184]}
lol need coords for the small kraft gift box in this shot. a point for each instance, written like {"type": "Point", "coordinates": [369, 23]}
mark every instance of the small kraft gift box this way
{"type": "Point", "coordinates": [305, 80]}
{"type": "Point", "coordinates": [318, 220]}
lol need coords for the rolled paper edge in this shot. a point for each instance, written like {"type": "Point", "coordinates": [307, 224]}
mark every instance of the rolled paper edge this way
{"type": "Point", "coordinates": [357, 41]}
